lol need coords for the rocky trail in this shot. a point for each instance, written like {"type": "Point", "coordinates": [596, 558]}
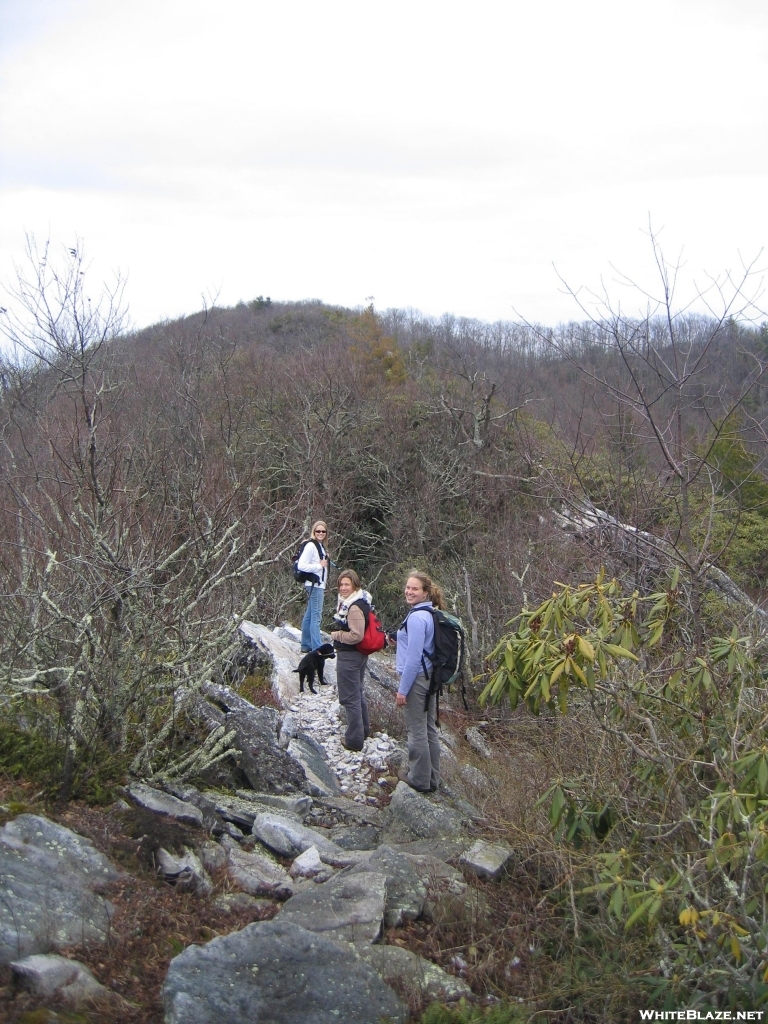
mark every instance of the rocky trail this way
{"type": "Point", "coordinates": [284, 821]}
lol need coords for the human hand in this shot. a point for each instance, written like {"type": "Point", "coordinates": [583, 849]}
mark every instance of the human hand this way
{"type": "Point", "coordinates": [401, 699]}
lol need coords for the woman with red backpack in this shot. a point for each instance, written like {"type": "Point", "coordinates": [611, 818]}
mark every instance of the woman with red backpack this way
{"type": "Point", "coordinates": [352, 615]}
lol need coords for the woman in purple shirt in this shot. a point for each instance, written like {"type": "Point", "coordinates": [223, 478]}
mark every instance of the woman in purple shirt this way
{"type": "Point", "coordinates": [415, 644]}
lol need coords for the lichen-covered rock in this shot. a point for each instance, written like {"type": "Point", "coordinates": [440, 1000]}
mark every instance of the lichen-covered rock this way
{"type": "Point", "coordinates": [406, 892]}
{"type": "Point", "coordinates": [276, 972]}
{"type": "Point", "coordinates": [50, 877]}
{"type": "Point", "coordinates": [348, 907]}
{"type": "Point", "coordinates": [421, 817]}
{"type": "Point", "coordinates": [478, 742]}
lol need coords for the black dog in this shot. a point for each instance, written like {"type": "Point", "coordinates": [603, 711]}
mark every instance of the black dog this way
{"type": "Point", "coordinates": [311, 665]}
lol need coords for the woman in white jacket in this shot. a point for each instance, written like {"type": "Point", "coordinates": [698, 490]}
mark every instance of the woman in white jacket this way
{"type": "Point", "coordinates": [314, 559]}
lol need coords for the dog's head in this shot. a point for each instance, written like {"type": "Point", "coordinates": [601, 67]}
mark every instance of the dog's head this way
{"type": "Point", "coordinates": [325, 651]}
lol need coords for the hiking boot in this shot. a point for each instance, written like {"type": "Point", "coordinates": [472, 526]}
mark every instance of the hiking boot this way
{"type": "Point", "coordinates": [403, 776]}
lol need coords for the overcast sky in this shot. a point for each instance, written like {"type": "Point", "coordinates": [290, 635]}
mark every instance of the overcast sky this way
{"type": "Point", "coordinates": [438, 155]}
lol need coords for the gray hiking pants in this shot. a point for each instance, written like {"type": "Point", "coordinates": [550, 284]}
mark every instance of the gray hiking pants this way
{"type": "Point", "coordinates": [350, 670]}
{"type": "Point", "coordinates": [423, 738]}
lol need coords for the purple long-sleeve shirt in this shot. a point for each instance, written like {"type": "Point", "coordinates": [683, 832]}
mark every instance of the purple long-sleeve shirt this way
{"type": "Point", "coordinates": [413, 643]}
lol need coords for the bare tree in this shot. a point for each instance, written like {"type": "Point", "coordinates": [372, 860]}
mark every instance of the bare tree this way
{"type": "Point", "coordinates": [667, 372]}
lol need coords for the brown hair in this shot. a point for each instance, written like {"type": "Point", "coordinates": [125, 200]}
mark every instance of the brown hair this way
{"type": "Point", "coordinates": [434, 592]}
{"type": "Point", "coordinates": [351, 575]}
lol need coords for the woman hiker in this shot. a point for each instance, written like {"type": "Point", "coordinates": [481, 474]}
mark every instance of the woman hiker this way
{"type": "Point", "coordinates": [350, 620]}
{"type": "Point", "coordinates": [415, 645]}
{"type": "Point", "coordinates": [314, 559]}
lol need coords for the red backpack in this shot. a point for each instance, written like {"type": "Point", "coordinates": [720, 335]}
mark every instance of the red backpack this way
{"type": "Point", "coordinates": [374, 637]}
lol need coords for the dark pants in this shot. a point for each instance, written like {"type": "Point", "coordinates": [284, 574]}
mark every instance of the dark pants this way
{"type": "Point", "coordinates": [350, 669]}
{"type": "Point", "coordinates": [423, 737]}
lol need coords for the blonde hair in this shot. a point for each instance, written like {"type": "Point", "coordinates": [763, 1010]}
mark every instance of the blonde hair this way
{"type": "Point", "coordinates": [320, 522]}
{"type": "Point", "coordinates": [434, 592]}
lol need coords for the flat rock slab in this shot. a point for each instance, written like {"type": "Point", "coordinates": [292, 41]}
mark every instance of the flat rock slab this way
{"type": "Point", "coordinates": [49, 876]}
{"type": "Point", "coordinates": [406, 892]}
{"type": "Point", "coordinates": [411, 973]}
{"type": "Point", "coordinates": [422, 817]}
{"type": "Point", "coordinates": [275, 972]}
{"type": "Point", "coordinates": [348, 907]}
{"type": "Point", "coordinates": [158, 802]}
{"type": "Point", "coordinates": [47, 975]}
{"type": "Point", "coordinates": [486, 860]}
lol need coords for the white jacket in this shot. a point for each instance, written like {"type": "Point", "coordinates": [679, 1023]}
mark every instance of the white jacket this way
{"type": "Point", "coordinates": [309, 561]}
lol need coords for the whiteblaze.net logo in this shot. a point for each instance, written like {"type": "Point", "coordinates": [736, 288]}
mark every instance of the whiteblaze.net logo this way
{"type": "Point", "coordinates": [701, 1015]}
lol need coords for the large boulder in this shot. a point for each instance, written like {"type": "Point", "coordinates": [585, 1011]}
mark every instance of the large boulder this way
{"type": "Point", "coordinates": [50, 877]}
{"type": "Point", "coordinates": [278, 973]}
{"type": "Point", "coordinates": [261, 760]}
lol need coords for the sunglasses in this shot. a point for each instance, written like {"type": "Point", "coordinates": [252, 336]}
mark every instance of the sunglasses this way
{"type": "Point", "coordinates": [321, 531]}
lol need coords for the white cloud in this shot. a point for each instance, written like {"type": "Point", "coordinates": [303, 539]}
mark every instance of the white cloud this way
{"type": "Point", "coordinates": [439, 155]}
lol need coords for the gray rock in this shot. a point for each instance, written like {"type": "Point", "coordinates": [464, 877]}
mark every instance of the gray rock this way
{"type": "Point", "coordinates": [436, 875]}
{"type": "Point", "coordinates": [186, 872]}
{"type": "Point", "coordinates": [49, 876]}
{"type": "Point", "coordinates": [307, 864]}
{"type": "Point", "coordinates": [310, 755]}
{"type": "Point", "coordinates": [475, 778]}
{"type": "Point", "coordinates": [421, 817]}
{"type": "Point", "coordinates": [348, 907]}
{"type": "Point", "coordinates": [53, 975]}
{"type": "Point", "coordinates": [263, 763]}
{"type": "Point", "coordinates": [163, 803]}
{"type": "Point", "coordinates": [260, 759]}
{"type": "Point", "coordinates": [288, 839]}
{"type": "Point", "coordinates": [242, 811]}
{"type": "Point", "coordinates": [212, 855]}
{"type": "Point", "coordinates": [277, 973]}
{"type": "Point", "coordinates": [294, 803]}
{"type": "Point", "coordinates": [413, 974]}
{"type": "Point", "coordinates": [356, 837]}
{"type": "Point", "coordinates": [288, 729]}
{"type": "Point", "coordinates": [487, 860]}
{"type": "Point", "coordinates": [256, 872]}
{"type": "Point", "coordinates": [236, 902]}
{"type": "Point", "coordinates": [478, 742]}
{"type": "Point", "coordinates": [406, 892]}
